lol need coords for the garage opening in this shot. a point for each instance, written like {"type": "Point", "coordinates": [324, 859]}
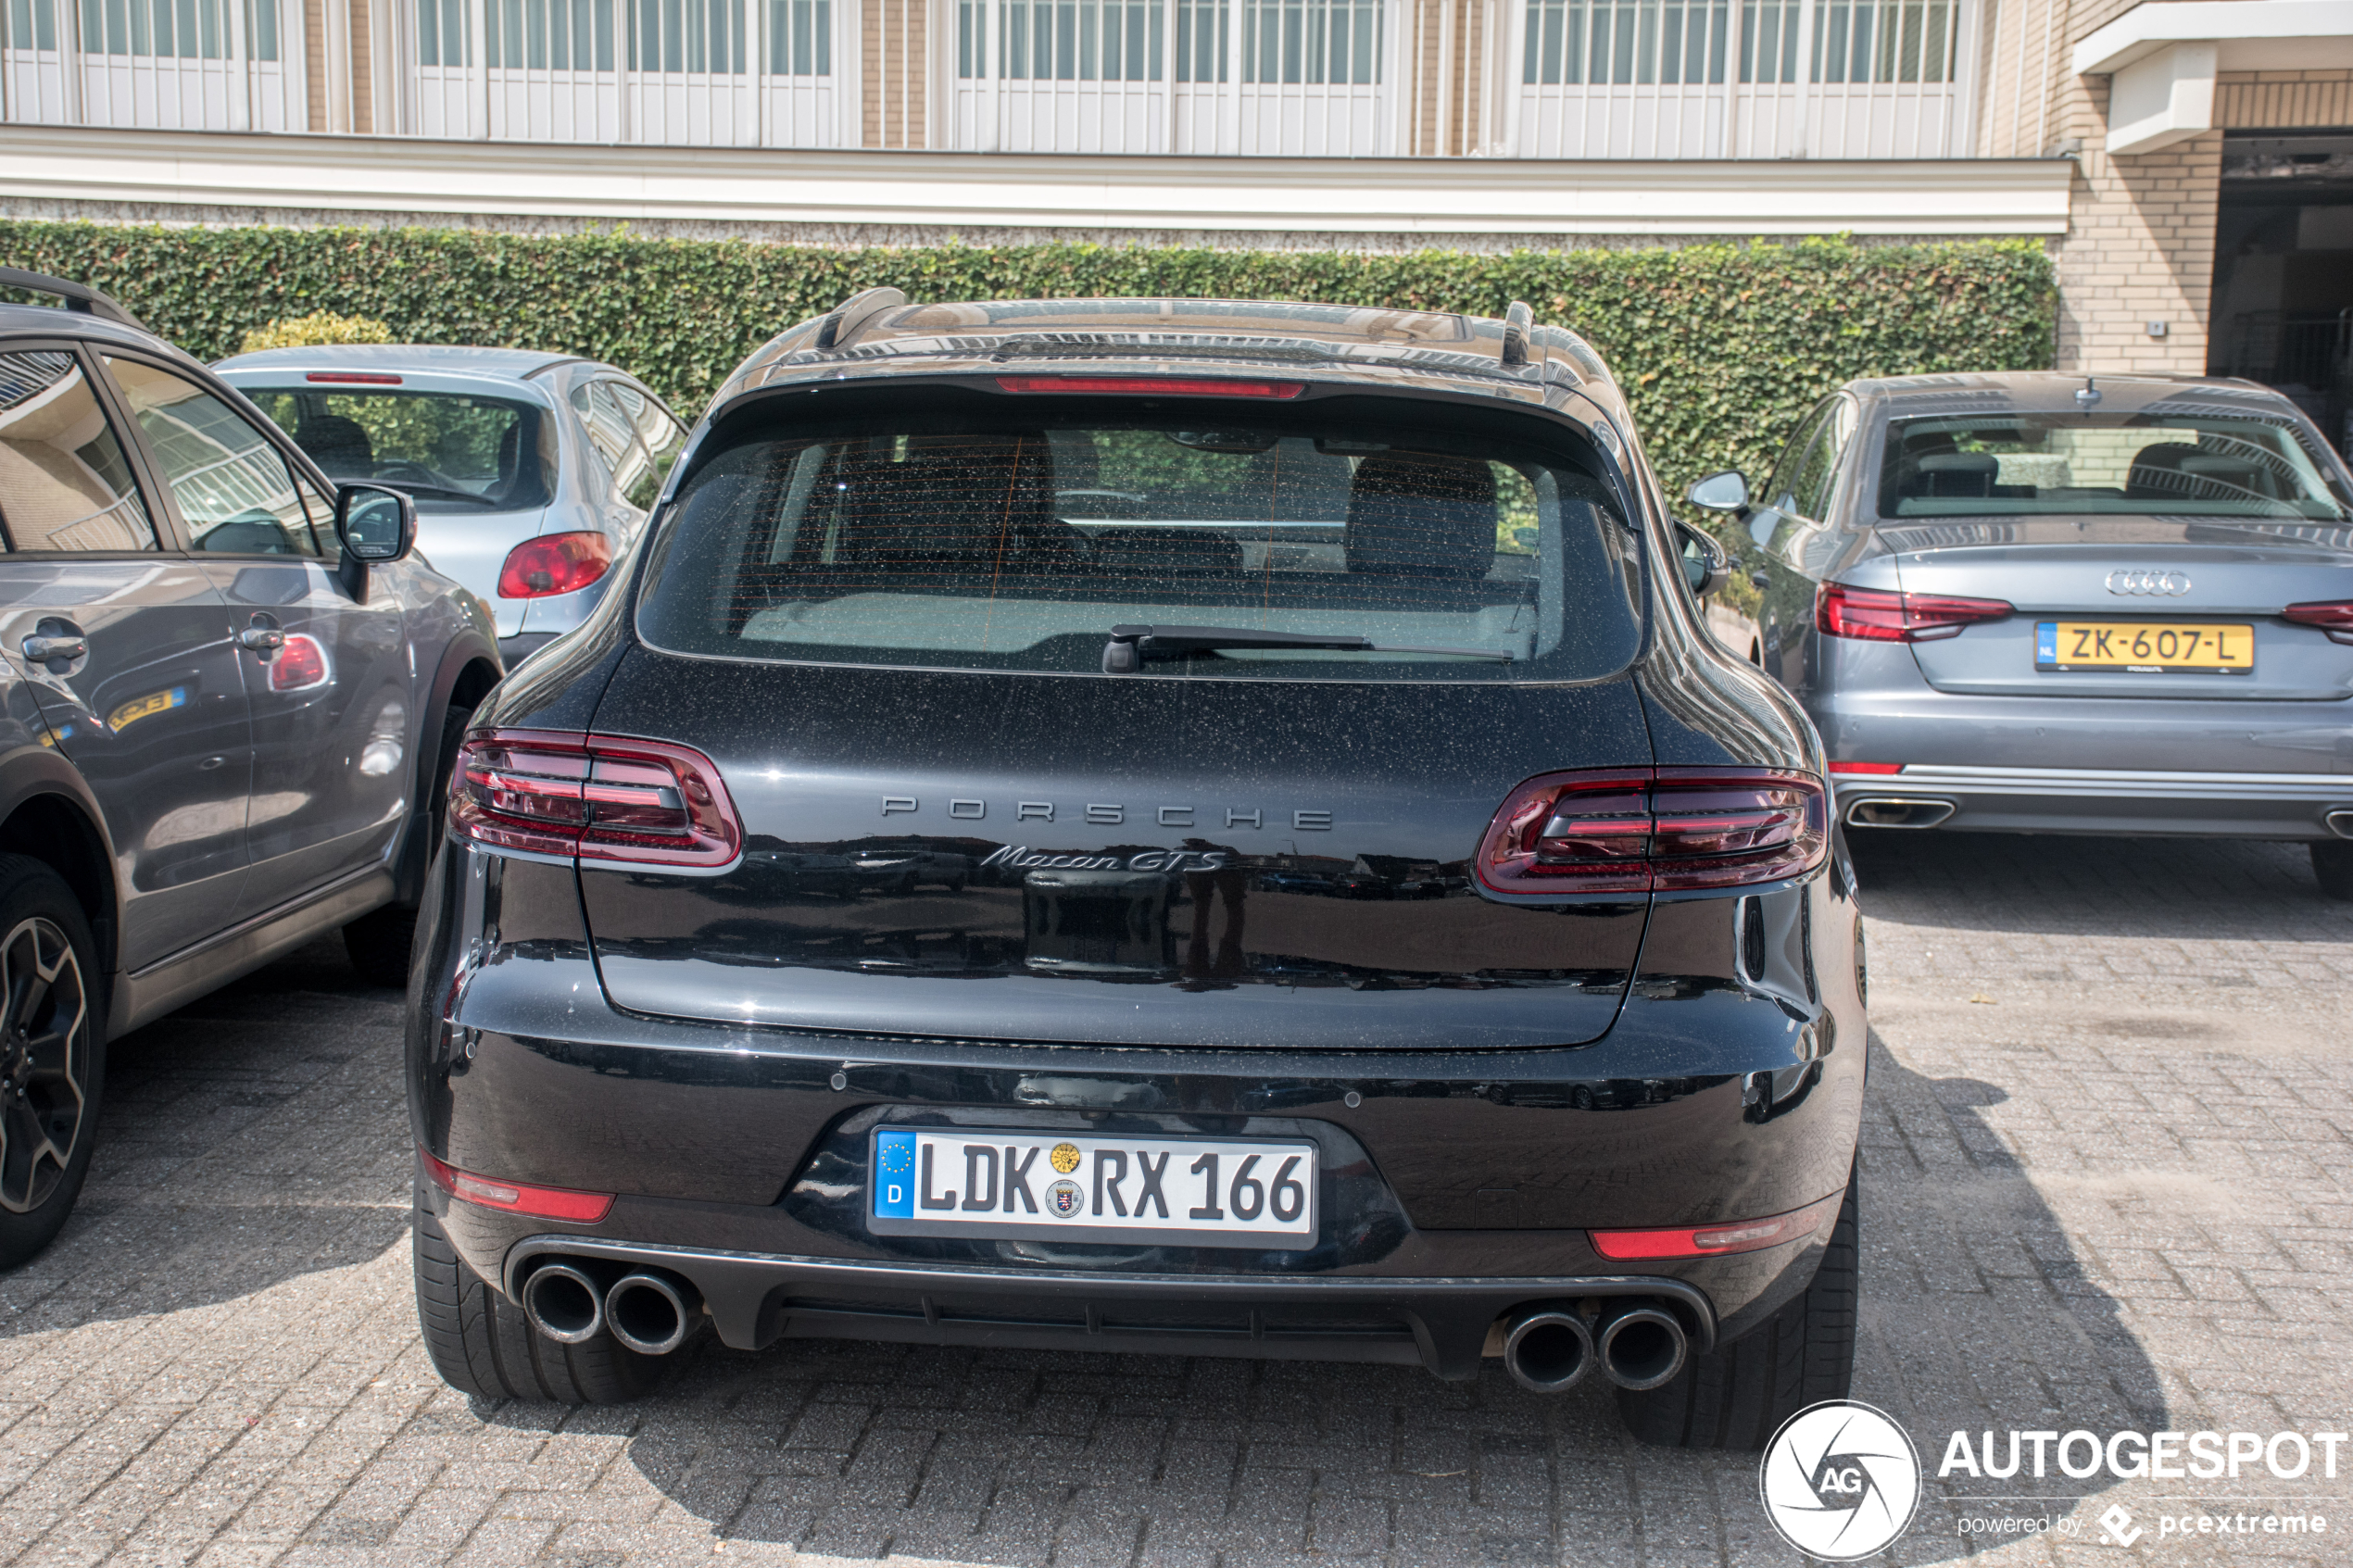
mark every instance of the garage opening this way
{"type": "Point", "coordinates": [2282, 303]}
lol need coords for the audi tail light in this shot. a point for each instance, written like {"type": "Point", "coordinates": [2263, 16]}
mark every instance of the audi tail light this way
{"type": "Point", "coordinates": [1878, 616]}
{"type": "Point", "coordinates": [1703, 1241]}
{"type": "Point", "coordinates": [1166, 386]}
{"type": "Point", "coordinates": [1876, 768]}
{"type": "Point", "coordinates": [600, 799]}
{"type": "Point", "coordinates": [1642, 830]}
{"type": "Point", "coordinates": [299, 664]}
{"type": "Point", "coordinates": [2336, 618]}
{"type": "Point", "coordinates": [516, 1197]}
{"type": "Point", "coordinates": [554, 563]}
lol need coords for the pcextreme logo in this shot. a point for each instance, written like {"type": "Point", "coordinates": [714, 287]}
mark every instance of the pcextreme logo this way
{"type": "Point", "coordinates": [1840, 1480]}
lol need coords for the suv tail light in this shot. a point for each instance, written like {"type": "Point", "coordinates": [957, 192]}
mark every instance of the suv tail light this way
{"type": "Point", "coordinates": [1641, 830]}
{"type": "Point", "coordinates": [518, 1198]}
{"type": "Point", "coordinates": [2335, 618]}
{"type": "Point", "coordinates": [1877, 617]}
{"type": "Point", "coordinates": [600, 798]}
{"type": "Point", "coordinates": [554, 563]}
{"type": "Point", "coordinates": [1701, 1241]}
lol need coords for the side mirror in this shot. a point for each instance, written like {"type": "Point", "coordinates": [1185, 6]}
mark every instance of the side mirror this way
{"type": "Point", "coordinates": [1705, 566]}
{"type": "Point", "coordinates": [374, 524]}
{"type": "Point", "coordinates": [1726, 493]}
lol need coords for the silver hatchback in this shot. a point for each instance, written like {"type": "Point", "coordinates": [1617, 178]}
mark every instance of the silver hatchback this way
{"type": "Point", "coordinates": [532, 472]}
{"type": "Point", "coordinates": [2036, 603]}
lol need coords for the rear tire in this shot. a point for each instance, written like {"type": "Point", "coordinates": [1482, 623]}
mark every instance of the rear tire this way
{"type": "Point", "coordinates": [381, 941]}
{"type": "Point", "coordinates": [482, 1344]}
{"type": "Point", "coordinates": [1738, 1394]}
{"type": "Point", "coordinates": [53, 1054]}
{"type": "Point", "coordinates": [2333, 863]}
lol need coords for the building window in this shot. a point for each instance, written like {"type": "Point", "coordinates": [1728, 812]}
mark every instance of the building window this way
{"type": "Point", "coordinates": [441, 32]}
{"type": "Point", "coordinates": [1201, 40]}
{"type": "Point", "coordinates": [187, 30]}
{"type": "Point", "coordinates": [1311, 42]}
{"type": "Point", "coordinates": [1873, 41]}
{"type": "Point", "coordinates": [32, 24]}
{"type": "Point", "coordinates": [1618, 43]}
{"type": "Point", "coordinates": [800, 37]}
{"type": "Point", "coordinates": [704, 36]}
{"type": "Point", "coordinates": [550, 34]}
{"type": "Point", "coordinates": [1064, 40]}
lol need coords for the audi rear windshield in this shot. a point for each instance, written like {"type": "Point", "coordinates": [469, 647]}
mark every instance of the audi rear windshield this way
{"type": "Point", "coordinates": [1016, 540]}
{"type": "Point", "coordinates": [2154, 462]}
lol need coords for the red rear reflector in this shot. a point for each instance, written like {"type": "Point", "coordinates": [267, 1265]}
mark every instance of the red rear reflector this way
{"type": "Point", "coordinates": [602, 798]}
{"type": "Point", "coordinates": [1166, 387]}
{"type": "Point", "coordinates": [2334, 617]}
{"type": "Point", "coordinates": [300, 664]}
{"type": "Point", "coordinates": [1866, 767]}
{"type": "Point", "coordinates": [554, 563]}
{"type": "Point", "coordinates": [1701, 1241]}
{"type": "Point", "coordinates": [1640, 830]}
{"type": "Point", "coordinates": [544, 1203]}
{"type": "Point", "coordinates": [1877, 617]}
{"type": "Point", "coordinates": [355, 377]}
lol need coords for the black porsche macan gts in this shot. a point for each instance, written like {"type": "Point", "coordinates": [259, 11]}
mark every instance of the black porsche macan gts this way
{"type": "Point", "coordinates": [1191, 826]}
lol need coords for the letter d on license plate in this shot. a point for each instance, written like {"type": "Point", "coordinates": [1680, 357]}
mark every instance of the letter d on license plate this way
{"type": "Point", "coordinates": [1194, 1192]}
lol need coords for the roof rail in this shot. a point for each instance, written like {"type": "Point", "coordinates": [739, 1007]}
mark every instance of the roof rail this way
{"type": "Point", "coordinates": [1517, 319]}
{"type": "Point", "coordinates": [840, 329]}
{"type": "Point", "coordinates": [77, 296]}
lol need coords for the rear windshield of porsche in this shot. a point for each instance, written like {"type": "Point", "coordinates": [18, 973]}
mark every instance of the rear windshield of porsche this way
{"type": "Point", "coordinates": [1018, 542]}
{"type": "Point", "coordinates": [2153, 462]}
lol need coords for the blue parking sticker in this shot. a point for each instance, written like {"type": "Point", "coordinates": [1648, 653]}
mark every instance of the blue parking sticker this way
{"type": "Point", "coordinates": [895, 1175]}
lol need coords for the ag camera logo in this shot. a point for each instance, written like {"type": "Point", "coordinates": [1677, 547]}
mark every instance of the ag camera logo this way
{"type": "Point", "coordinates": [1840, 1480]}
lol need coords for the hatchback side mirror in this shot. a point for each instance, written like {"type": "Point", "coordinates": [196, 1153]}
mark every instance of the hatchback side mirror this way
{"type": "Point", "coordinates": [373, 524]}
{"type": "Point", "coordinates": [1726, 493]}
{"type": "Point", "coordinates": [1705, 566]}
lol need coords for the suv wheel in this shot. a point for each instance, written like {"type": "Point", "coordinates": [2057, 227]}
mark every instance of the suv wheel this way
{"type": "Point", "coordinates": [52, 1055]}
{"type": "Point", "coordinates": [2333, 863]}
{"type": "Point", "coordinates": [482, 1344]}
{"type": "Point", "coordinates": [379, 942]}
{"type": "Point", "coordinates": [1738, 1394]}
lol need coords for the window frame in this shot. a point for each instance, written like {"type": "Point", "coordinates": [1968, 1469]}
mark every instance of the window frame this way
{"type": "Point", "coordinates": [306, 475]}
{"type": "Point", "coordinates": [163, 521]}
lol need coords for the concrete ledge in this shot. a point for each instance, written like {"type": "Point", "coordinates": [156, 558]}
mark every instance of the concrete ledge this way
{"type": "Point", "coordinates": [1000, 192]}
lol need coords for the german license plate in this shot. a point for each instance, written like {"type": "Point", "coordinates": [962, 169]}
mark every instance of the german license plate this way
{"type": "Point", "coordinates": [1198, 1192]}
{"type": "Point", "coordinates": [2144, 647]}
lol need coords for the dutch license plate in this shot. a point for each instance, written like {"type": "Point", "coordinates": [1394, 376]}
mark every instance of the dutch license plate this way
{"type": "Point", "coordinates": [2144, 647]}
{"type": "Point", "coordinates": [1199, 1192]}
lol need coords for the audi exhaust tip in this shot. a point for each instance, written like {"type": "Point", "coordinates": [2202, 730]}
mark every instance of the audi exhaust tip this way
{"type": "Point", "coordinates": [1641, 1345]}
{"type": "Point", "coordinates": [2339, 824]}
{"type": "Point", "coordinates": [649, 1313]}
{"type": "Point", "coordinates": [1885, 811]}
{"type": "Point", "coordinates": [563, 1303]}
{"type": "Point", "coordinates": [1547, 1350]}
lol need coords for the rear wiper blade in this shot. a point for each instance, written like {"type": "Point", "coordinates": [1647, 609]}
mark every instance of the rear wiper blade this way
{"type": "Point", "coordinates": [1131, 645]}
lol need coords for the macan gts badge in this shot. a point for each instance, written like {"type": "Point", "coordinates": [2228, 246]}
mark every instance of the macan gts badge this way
{"type": "Point", "coordinates": [1251, 854]}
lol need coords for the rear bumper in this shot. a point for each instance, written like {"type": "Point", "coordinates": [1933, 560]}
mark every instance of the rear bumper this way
{"type": "Point", "coordinates": [2101, 800]}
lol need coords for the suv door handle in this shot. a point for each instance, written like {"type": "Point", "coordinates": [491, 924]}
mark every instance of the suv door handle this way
{"type": "Point", "coordinates": [263, 635]}
{"type": "Point", "coordinates": [40, 650]}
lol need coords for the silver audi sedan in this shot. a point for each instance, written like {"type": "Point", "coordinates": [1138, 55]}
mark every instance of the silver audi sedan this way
{"type": "Point", "coordinates": [2043, 603]}
{"type": "Point", "coordinates": [532, 472]}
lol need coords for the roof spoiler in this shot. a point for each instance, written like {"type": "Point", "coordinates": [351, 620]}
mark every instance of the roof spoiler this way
{"type": "Point", "coordinates": [840, 328]}
{"type": "Point", "coordinates": [77, 296]}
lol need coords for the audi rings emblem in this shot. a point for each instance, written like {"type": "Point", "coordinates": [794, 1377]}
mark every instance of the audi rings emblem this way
{"type": "Point", "coordinates": [2165, 584]}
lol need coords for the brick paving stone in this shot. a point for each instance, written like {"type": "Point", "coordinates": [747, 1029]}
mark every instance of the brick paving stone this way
{"type": "Point", "coordinates": [2107, 1163]}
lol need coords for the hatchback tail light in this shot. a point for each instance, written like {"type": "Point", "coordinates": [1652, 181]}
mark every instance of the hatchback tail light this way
{"type": "Point", "coordinates": [2336, 618]}
{"type": "Point", "coordinates": [1877, 617]}
{"type": "Point", "coordinates": [554, 563]}
{"type": "Point", "coordinates": [600, 797]}
{"type": "Point", "coordinates": [1641, 830]}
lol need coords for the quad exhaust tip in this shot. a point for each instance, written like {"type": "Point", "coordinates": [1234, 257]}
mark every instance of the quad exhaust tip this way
{"type": "Point", "coordinates": [1636, 1341]}
{"type": "Point", "coordinates": [1899, 811]}
{"type": "Point", "coordinates": [1642, 1344]}
{"type": "Point", "coordinates": [2340, 824]}
{"type": "Point", "coordinates": [650, 1313]}
{"type": "Point", "coordinates": [563, 1303]}
{"type": "Point", "coordinates": [1547, 1350]}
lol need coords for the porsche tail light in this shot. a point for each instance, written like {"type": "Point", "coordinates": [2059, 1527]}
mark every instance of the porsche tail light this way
{"type": "Point", "coordinates": [1878, 616]}
{"type": "Point", "coordinates": [1881, 769]}
{"type": "Point", "coordinates": [554, 563]}
{"type": "Point", "coordinates": [1166, 386]}
{"type": "Point", "coordinates": [601, 798]}
{"type": "Point", "coordinates": [517, 1198]}
{"type": "Point", "coordinates": [1644, 830]}
{"type": "Point", "coordinates": [1703, 1241]}
{"type": "Point", "coordinates": [2336, 618]}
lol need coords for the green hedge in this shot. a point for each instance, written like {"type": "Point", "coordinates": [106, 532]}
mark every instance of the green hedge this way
{"type": "Point", "coordinates": [1721, 347]}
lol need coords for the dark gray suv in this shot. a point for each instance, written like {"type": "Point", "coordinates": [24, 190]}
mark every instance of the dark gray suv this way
{"type": "Point", "coordinates": [229, 692]}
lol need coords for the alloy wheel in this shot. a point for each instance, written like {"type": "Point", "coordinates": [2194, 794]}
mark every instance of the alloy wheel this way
{"type": "Point", "coordinates": [45, 1061]}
